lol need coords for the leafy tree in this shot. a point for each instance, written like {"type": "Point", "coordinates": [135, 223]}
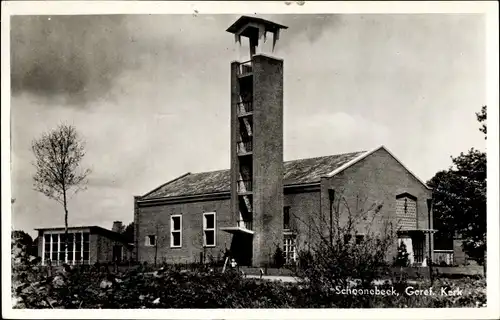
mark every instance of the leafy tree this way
{"type": "Point", "coordinates": [128, 232]}
{"type": "Point", "coordinates": [481, 117]}
{"type": "Point", "coordinates": [58, 156]}
{"type": "Point", "coordinates": [22, 238]}
{"type": "Point", "coordinates": [459, 198]}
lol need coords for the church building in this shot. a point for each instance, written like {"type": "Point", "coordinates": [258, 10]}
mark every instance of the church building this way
{"type": "Point", "coordinates": [261, 202]}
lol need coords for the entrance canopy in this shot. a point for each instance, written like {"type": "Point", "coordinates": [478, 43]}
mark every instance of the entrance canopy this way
{"type": "Point", "coordinates": [235, 230]}
{"type": "Point", "coordinates": [417, 231]}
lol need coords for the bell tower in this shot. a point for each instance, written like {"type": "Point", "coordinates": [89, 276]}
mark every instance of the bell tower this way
{"type": "Point", "coordinates": [256, 145]}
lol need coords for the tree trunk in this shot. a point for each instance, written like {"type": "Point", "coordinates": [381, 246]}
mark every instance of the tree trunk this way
{"type": "Point", "coordinates": [65, 226]}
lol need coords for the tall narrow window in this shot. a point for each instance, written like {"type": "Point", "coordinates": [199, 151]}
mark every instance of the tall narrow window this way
{"type": "Point", "coordinates": [46, 253]}
{"type": "Point", "coordinates": [62, 255]}
{"type": "Point", "coordinates": [78, 248]}
{"type": "Point", "coordinates": [209, 229]}
{"type": "Point", "coordinates": [70, 248]}
{"type": "Point", "coordinates": [176, 231]}
{"type": "Point", "coordinates": [289, 249]}
{"type": "Point", "coordinates": [55, 248]}
{"type": "Point", "coordinates": [86, 248]}
{"type": "Point", "coordinates": [286, 217]}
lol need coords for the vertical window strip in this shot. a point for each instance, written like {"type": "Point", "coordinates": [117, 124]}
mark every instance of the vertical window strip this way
{"type": "Point", "coordinates": [209, 229]}
{"type": "Point", "coordinates": [175, 231]}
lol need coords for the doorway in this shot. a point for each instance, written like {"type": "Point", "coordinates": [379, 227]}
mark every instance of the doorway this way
{"type": "Point", "coordinates": [242, 248]}
{"type": "Point", "coordinates": [117, 253]}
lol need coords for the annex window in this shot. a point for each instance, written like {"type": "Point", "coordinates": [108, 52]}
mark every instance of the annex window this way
{"type": "Point", "coordinates": [54, 248]}
{"type": "Point", "coordinates": [86, 248]}
{"type": "Point", "coordinates": [151, 240]}
{"type": "Point", "coordinates": [286, 218]}
{"type": "Point", "coordinates": [209, 229]}
{"type": "Point", "coordinates": [290, 249]}
{"type": "Point", "coordinates": [176, 231]}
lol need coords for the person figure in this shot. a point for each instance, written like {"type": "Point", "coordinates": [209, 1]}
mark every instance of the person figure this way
{"type": "Point", "coordinates": [233, 264]}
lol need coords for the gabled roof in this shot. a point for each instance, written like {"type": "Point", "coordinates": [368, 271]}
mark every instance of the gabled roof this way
{"type": "Point", "coordinates": [302, 171]}
{"type": "Point", "coordinates": [366, 154]}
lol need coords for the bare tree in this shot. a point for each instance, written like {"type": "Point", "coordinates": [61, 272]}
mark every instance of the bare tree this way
{"type": "Point", "coordinates": [58, 155]}
{"type": "Point", "coordinates": [349, 243]}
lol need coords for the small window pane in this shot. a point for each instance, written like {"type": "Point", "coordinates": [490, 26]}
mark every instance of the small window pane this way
{"type": "Point", "coordinates": [78, 255]}
{"type": "Point", "coordinates": [176, 222]}
{"type": "Point", "coordinates": [54, 256]}
{"type": "Point", "coordinates": [78, 246]}
{"type": "Point", "coordinates": [176, 238]}
{"type": "Point", "coordinates": [286, 218]}
{"type": "Point", "coordinates": [47, 238]}
{"type": "Point", "coordinates": [85, 255]}
{"type": "Point", "coordinates": [209, 238]}
{"type": "Point", "coordinates": [47, 255]}
{"type": "Point", "coordinates": [210, 221]}
{"type": "Point", "coordinates": [86, 237]}
{"type": "Point", "coordinates": [70, 255]}
{"type": "Point", "coordinates": [85, 246]}
{"type": "Point", "coordinates": [152, 240]}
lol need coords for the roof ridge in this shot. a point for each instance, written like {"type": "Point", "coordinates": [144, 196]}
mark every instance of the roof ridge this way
{"type": "Point", "coordinates": [326, 156]}
{"type": "Point", "coordinates": [211, 171]}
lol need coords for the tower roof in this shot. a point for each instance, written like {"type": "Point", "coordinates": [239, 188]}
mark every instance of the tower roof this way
{"type": "Point", "coordinates": [244, 20]}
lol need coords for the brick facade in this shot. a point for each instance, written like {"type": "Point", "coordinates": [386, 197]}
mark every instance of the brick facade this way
{"type": "Point", "coordinates": [154, 219]}
{"type": "Point", "coordinates": [377, 179]}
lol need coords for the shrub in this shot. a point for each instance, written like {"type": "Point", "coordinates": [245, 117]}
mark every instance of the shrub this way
{"type": "Point", "coordinates": [402, 257]}
{"type": "Point", "coordinates": [279, 258]}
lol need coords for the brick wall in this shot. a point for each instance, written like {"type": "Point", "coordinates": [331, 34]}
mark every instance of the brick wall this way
{"type": "Point", "coordinates": [376, 179]}
{"type": "Point", "coordinates": [105, 249]}
{"type": "Point", "coordinates": [267, 157]}
{"type": "Point", "coordinates": [303, 206]}
{"type": "Point", "coordinates": [94, 248]}
{"type": "Point", "coordinates": [149, 217]}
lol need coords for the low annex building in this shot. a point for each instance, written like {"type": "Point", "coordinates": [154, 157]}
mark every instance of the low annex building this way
{"type": "Point", "coordinates": [86, 245]}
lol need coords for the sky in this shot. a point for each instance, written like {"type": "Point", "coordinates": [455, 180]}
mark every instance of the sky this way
{"type": "Point", "coordinates": [150, 96]}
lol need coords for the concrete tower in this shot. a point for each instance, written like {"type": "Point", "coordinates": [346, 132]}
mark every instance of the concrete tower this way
{"type": "Point", "coordinates": [256, 146]}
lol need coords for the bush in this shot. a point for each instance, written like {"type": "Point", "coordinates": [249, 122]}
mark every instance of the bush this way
{"type": "Point", "coordinates": [402, 257]}
{"type": "Point", "coordinates": [166, 288]}
{"type": "Point", "coordinates": [279, 258]}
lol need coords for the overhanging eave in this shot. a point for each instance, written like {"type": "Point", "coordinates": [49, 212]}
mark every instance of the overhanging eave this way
{"type": "Point", "coordinates": [234, 230]}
